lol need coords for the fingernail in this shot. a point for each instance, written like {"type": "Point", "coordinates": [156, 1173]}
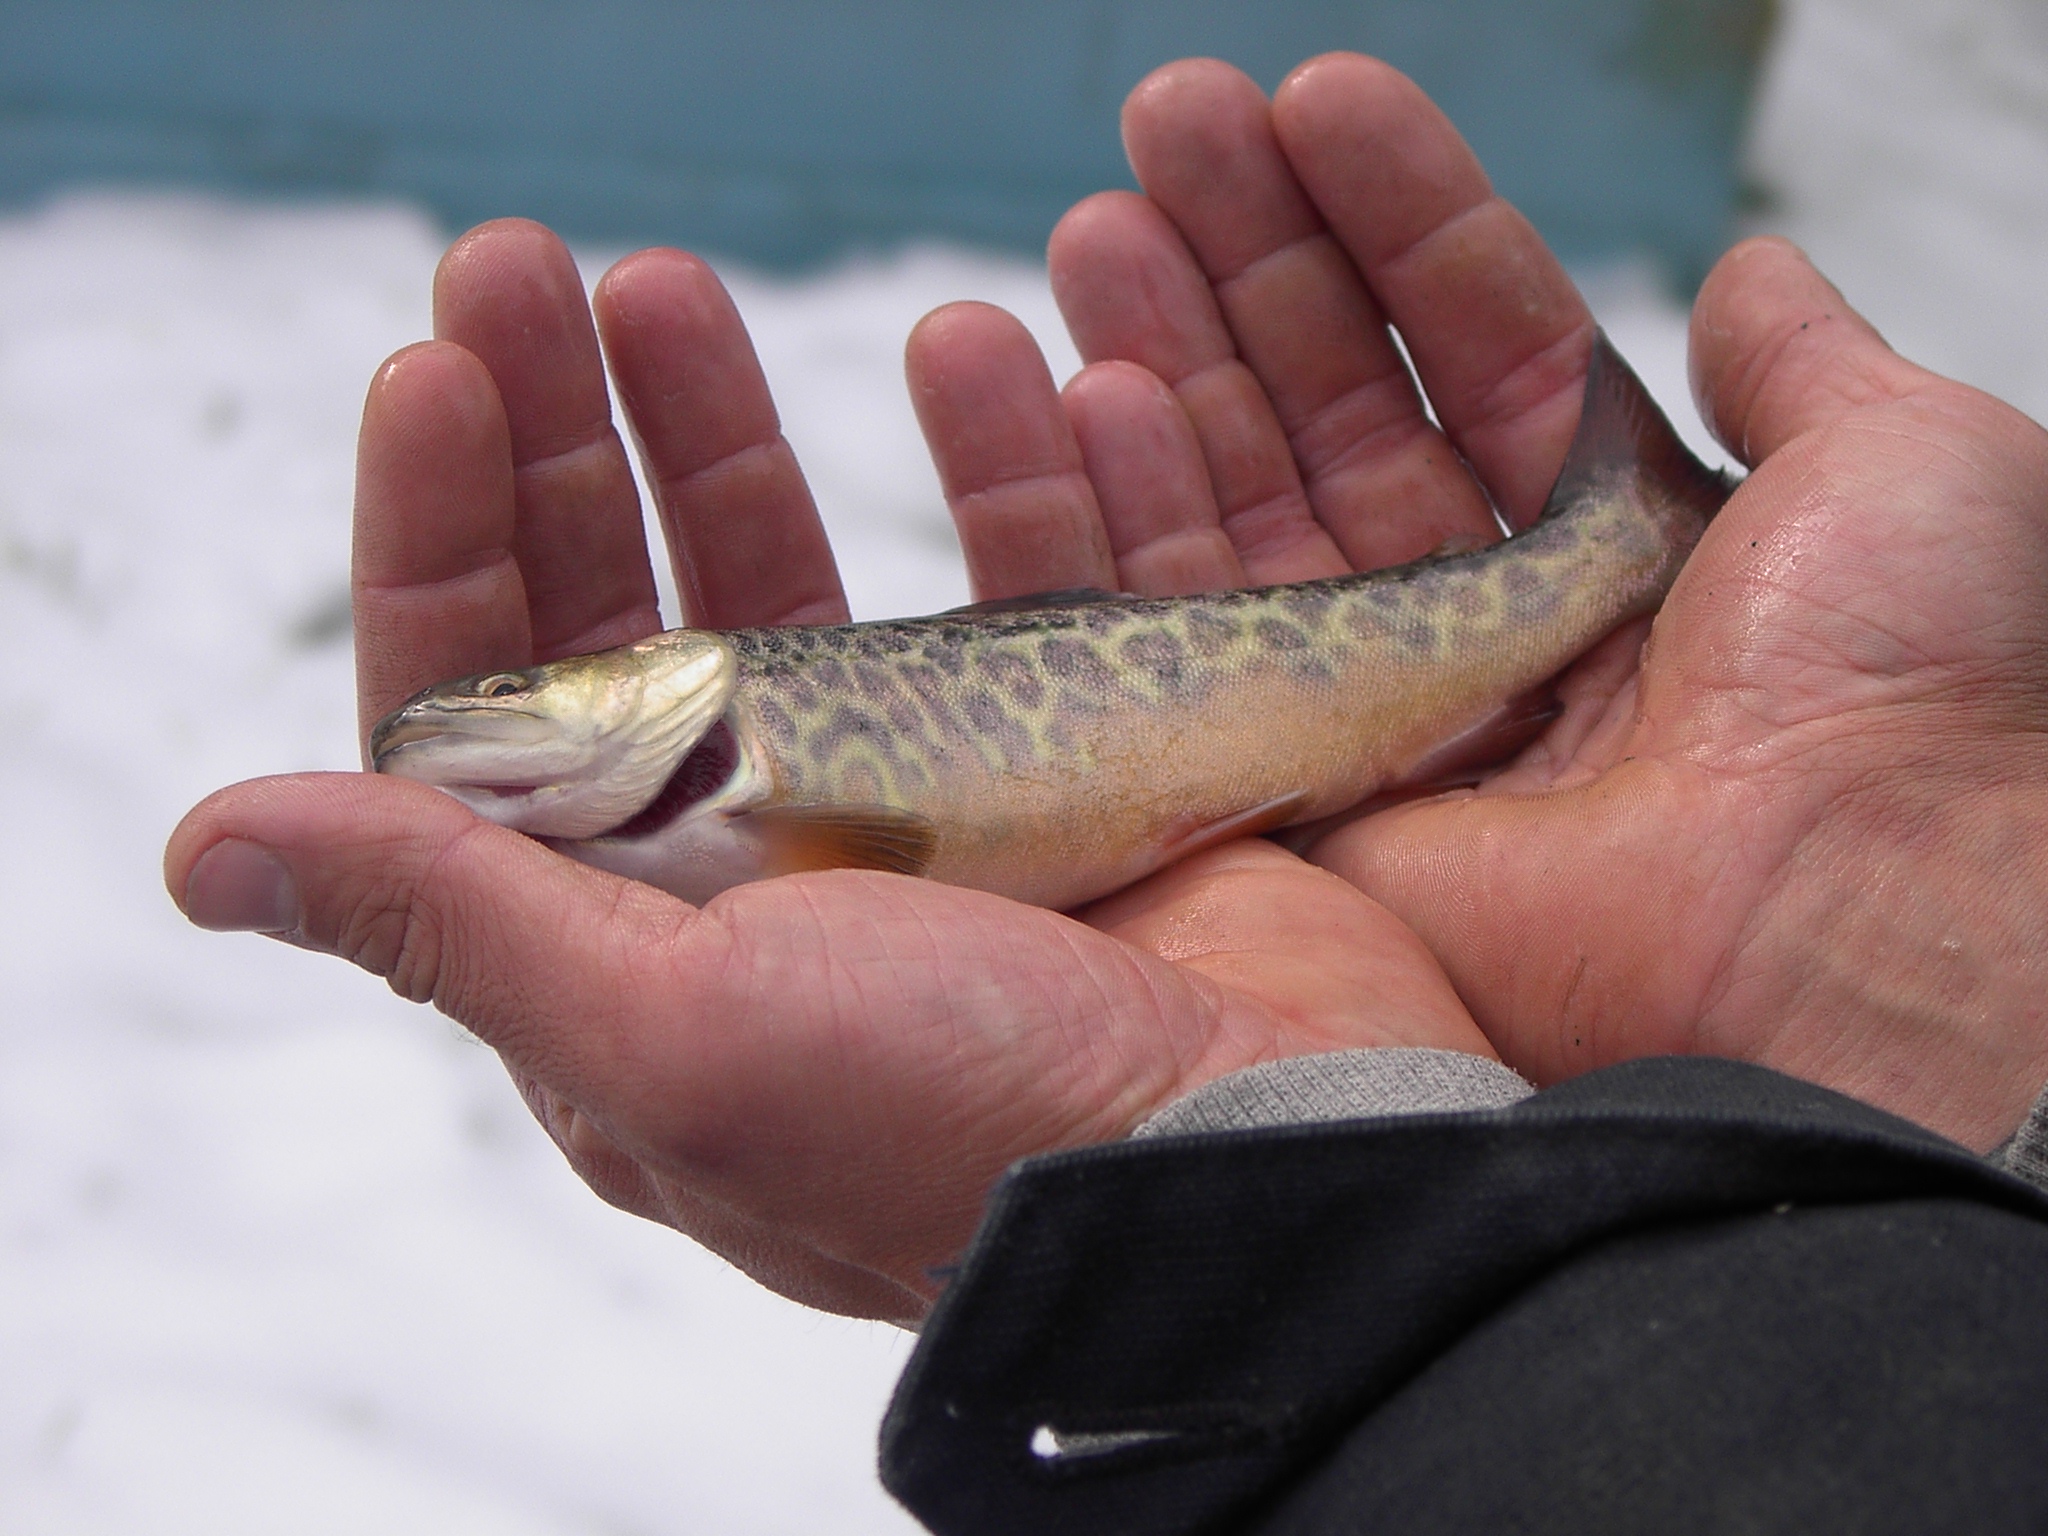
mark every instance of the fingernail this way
{"type": "Point", "coordinates": [240, 887]}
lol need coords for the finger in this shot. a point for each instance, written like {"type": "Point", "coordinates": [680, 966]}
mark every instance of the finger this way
{"type": "Point", "coordinates": [1128, 288]}
{"type": "Point", "coordinates": [1006, 455]}
{"type": "Point", "coordinates": [1498, 334]}
{"type": "Point", "coordinates": [436, 590]}
{"type": "Point", "coordinates": [742, 529]}
{"type": "Point", "coordinates": [1157, 506]}
{"type": "Point", "coordinates": [509, 292]}
{"type": "Point", "coordinates": [1202, 139]}
{"type": "Point", "coordinates": [1777, 351]}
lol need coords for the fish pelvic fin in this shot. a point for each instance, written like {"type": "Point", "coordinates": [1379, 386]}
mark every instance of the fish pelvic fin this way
{"type": "Point", "coordinates": [1622, 429]}
{"type": "Point", "coordinates": [811, 837]}
{"type": "Point", "coordinates": [1482, 747]}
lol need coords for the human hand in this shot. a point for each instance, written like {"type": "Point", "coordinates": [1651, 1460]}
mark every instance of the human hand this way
{"type": "Point", "coordinates": [817, 1076]}
{"type": "Point", "coordinates": [1809, 830]}
{"type": "Point", "coordinates": [1812, 831]}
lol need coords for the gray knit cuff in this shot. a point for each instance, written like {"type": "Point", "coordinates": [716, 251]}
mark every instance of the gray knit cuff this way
{"type": "Point", "coordinates": [1400, 1080]}
{"type": "Point", "coordinates": [2027, 1153]}
{"type": "Point", "coordinates": [1342, 1085]}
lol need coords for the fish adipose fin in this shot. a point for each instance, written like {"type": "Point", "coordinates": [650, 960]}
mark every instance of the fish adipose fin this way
{"type": "Point", "coordinates": [809, 837]}
{"type": "Point", "coordinates": [1622, 431]}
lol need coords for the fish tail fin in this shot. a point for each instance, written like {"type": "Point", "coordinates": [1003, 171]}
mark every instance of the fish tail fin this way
{"type": "Point", "coordinates": [1623, 431]}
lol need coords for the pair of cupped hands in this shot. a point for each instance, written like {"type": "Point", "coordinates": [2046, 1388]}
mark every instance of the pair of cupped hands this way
{"type": "Point", "coordinates": [1805, 824]}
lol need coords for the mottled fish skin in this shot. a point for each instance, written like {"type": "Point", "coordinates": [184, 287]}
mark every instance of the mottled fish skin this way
{"type": "Point", "coordinates": [1058, 752]}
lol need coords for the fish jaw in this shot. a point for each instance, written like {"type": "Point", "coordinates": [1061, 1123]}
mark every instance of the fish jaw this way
{"type": "Point", "coordinates": [567, 749]}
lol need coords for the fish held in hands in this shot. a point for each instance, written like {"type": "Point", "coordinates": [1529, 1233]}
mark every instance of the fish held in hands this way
{"type": "Point", "coordinates": [1054, 749]}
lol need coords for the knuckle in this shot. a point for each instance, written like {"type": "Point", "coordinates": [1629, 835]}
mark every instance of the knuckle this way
{"type": "Point", "coordinates": [416, 973]}
{"type": "Point", "coordinates": [400, 926]}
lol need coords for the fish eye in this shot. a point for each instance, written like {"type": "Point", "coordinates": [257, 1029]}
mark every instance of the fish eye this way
{"type": "Point", "coordinates": [499, 684]}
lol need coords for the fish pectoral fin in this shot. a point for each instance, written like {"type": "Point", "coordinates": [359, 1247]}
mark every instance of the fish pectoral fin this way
{"type": "Point", "coordinates": [1458, 762]}
{"type": "Point", "coordinates": [1065, 597]}
{"type": "Point", "coordinates": [808, 837]}
{"type": "Point", "coordinates": [1194, 836]}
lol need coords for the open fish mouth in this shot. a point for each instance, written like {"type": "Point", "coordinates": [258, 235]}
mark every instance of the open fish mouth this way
{"type": "Point", "coordinates": [395, 732]}
{"type": "Point", "coordinates": [436, 722]}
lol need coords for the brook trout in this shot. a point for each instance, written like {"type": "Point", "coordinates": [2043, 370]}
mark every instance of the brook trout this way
{"type": "Point", "coordinates": [1055, 749]}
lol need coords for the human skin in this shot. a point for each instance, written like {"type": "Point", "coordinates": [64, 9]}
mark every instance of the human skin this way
{"type": "Point", "coordinates": [1805, 830]}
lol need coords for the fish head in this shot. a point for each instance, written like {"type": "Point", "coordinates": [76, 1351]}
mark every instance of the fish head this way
{"type": "Point", "coordinates": [569, 748]}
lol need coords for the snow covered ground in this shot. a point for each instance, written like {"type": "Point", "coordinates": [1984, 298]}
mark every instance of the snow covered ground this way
{"type": "Point", "coordinates": [279, 1253]}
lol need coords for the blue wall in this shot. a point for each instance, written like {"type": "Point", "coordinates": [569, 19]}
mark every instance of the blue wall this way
{"type": "Point", "coordinates": [784, 130]}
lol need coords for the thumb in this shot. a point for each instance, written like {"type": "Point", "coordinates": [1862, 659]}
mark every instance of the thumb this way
{"type": "Point", "coordinates": [525, 948]}
{"type": "Point", "coordinates": [1776, 351]}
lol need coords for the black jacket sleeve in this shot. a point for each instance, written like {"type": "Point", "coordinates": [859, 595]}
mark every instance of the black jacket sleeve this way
{"type": "Point", "coordinates": [1680, 1295]}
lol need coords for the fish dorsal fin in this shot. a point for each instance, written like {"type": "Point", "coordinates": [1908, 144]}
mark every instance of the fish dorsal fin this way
{"type": "Point", "coordinates": [1621, 429]}
{"type": "Point", "coordinates": [1065, 597]}
{"type": "Point", "coordinates": [807, 837]}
